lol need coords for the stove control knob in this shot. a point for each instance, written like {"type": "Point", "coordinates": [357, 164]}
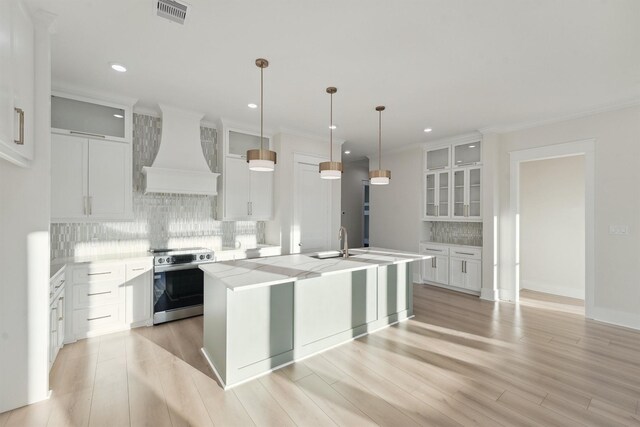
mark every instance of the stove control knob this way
{"type": "Point", "coordinates": [160, 261]}
{"type": "Point", "coordinates": [169, 259]}
{"type": "Point", "coordinates": [208, 256]}
{"type": "Point", "coordinates": [201, 256]}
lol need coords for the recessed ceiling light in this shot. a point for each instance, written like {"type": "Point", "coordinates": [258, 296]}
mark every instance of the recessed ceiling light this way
{"type": "Point", "coordinates": [253, 106]}
{"type": "Point", "coordinates": [472, 146]}
{"type": "Point", "coordinates": [347, 152]}
{"type": "Point", "coordinates": [118, 116]}
{"type": "Point", "coordinates": [459, 161]}
{"type": "Point", "coordinates": [428, 130]}
{"type": "Point", "coordinates": [119, 67]}
{"type": "Point", "coordinates": [333, 127]}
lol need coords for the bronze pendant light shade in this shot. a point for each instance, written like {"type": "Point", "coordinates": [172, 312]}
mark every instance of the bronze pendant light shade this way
{"type": "Point", "coordinates": [380, 176]}
{"type": "Point", "coordinates": [331, 169]}
{"type": "Point", "coordinates": [261, 160]}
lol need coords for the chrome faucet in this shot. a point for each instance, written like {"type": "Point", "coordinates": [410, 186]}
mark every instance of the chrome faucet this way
{"type": "Point", "coordinates": [342, 233]}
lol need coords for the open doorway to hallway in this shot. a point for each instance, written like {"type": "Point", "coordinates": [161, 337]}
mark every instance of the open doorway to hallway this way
{"type": "Point", "coordinates": [552, 229]}
{"type": "Point", "coordinates": [355, 202]}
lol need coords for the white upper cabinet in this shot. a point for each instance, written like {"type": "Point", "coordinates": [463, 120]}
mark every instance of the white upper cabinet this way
{"type": "Point", "coordinates": [467, 154]}
{"type": "Point", "coordinates": [437, 195]}
{"type": "Point", "coordinates": [17, 82]}
{"type": "Point", "coordinates": [80, 116]}
{"type": "Point", "coordinates": [467, 193]}
{"type": "Point", "coordinates": [90, 179]}
{"type": "Point", "coordinates": [438, 158]}
{"type": "Point", "coordinates": [452, 188]}
{"type": "Point", "coordinates": [246, 195]}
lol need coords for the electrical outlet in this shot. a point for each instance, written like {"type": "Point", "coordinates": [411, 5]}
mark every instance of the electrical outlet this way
{"type": "Point", "coordinates": [619, 230]}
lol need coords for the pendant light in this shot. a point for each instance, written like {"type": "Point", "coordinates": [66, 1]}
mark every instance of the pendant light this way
{"type": "Point", "coordinates": [380, 176]}
{"type": "Point", "coordinates": [261, 160]}
{"type": "Point", "coordinates": [331, 169]}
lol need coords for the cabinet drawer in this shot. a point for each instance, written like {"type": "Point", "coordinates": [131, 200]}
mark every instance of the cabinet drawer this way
{"type": "Point", "coordinates": [98, 273]}
{"type": "Point", "coordinates": [467, 253]}
{"type": "Point", "coordinates": [434, 249]}
{"type": "Point", "coordinates": [97, 318]}
{"type": "Point", "coordinates": [96, 294]}
{"type": "Point", "coordinates": [136, 269]}
{"type": "Point", "coordinates": [56, 285]}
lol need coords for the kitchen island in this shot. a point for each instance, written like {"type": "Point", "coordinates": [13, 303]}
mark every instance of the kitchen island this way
{"type": "Point", "coordinates": [265, 313]}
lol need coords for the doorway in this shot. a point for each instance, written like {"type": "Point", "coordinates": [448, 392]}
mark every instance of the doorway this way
{"type": "Point", "coordinates": [312, 206]}
{"type": "Point", "coordinates": [523, 271]}
{"type": "Point", "coordinates": [552, 228]}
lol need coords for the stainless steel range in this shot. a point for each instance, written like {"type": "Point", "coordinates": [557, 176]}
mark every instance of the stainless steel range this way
{"type": "Point", "coordinates": [178, 282]}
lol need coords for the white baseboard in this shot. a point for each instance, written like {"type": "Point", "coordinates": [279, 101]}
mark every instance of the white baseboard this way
{"type": "Point", "coordinates": [618, 318]}
{"type": "Point", "coordinates": [489, 294]}
{"type": "Point", "coordinates": [548, 288]}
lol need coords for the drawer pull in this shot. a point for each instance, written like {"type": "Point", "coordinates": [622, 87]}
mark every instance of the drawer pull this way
{"type": "Point", "coordinates": [99, 317]}
{"type": "Point", "coordinates": [465, 253]}
{"type": "Point", "coordinates": [20, 141]}
{"type": "Point", "coordinates": [98, 293]}
{"type": "Point", "coordinates": [435, 250]}
{"type": "Point", "coordinates": [60, 284]}
{"type": "Point", "coordinates": [99, 274]}
{"type": "Point", "coordinates": [137, 269]}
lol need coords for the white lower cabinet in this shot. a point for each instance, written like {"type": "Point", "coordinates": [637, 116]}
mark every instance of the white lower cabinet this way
{"type": "Point", "coordinates": [110, 296]}
{"type": "Point", "coordinates": [57, 320]}
{"type": "Point", "coordinates": [455, 267]}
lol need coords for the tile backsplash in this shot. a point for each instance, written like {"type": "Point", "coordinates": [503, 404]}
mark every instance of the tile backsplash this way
{"type": "Point", "coordinates": [159, 220]}
{"type": "Point", "coordinates": [458, 233]}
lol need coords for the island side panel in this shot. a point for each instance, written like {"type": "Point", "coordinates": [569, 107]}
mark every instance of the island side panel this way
{"type": "Point", "coordinates": [215, 324]}
{"type": "Point", "coordinates": [260, 330]}
{"type": "Point", "coordinates": [333, 309]}
{"type": "Point", "coordinates": [395, 289]}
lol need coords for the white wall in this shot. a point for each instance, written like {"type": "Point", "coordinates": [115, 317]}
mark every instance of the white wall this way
{"type": "Point", "coordinates": [352, 199]}
{"type": "Point", "coordinates": [552, 221]}
{"type": "Point", "coordinates": [24, 253]}
{"type": "Point", "coordinates": [279, 230]}
{"type": "Point", "coordinates": [617, 201]}
{"type": "Point", "coordinates": [395, 208]}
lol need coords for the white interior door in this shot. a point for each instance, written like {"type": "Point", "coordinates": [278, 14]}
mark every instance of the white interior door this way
{"type": "Point", "coordinates": [312, 208]}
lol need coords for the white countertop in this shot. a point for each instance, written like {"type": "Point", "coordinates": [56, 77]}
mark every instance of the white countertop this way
{"type": "Point", "coordinates": [427, 242]}
{"type": "Point", "coordinates": [254, 273]}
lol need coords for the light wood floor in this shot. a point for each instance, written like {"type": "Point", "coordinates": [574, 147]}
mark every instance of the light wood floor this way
{"type": "Point", "coordinates": [460, 361]}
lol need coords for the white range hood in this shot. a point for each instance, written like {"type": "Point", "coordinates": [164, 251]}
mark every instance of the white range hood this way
{"type": "Point", "coordinates": [180, 166]}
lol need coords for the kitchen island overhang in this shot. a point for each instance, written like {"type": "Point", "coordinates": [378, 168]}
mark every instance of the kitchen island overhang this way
{"type": "Point", "coordinates": [263, 314]}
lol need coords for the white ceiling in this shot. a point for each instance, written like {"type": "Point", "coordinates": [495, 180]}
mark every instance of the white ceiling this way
{"type": "Point", "coordinates": [452, 65]}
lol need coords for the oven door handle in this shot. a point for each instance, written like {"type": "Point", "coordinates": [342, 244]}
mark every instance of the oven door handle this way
{"type": "Point", "coordinates": [177, 267]}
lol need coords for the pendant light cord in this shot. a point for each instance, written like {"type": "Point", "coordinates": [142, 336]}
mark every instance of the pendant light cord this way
{"type": "Point", "coordinates": [261, 104]}
{"type": "Point", "coordinates": [380, 140]}
{"type": "Point", "coordinates": [331, 130]}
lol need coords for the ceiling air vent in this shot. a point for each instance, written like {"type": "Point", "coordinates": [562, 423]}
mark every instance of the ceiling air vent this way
{"type": "Point", "coordinates": [172, 10]}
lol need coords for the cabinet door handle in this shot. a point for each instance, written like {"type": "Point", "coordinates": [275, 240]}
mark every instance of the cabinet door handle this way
{"type": "Point", "coordinates": [75, 132]}
{"type": "Point", "coordinates": [99, 274]}
{"type": "Point", "coordinates": [248, 211]}
{"type": "Point", "coordinates": [20, 112]}
{"type": "Point", "coordinates": [137, 269]}
{"type": "Point", "coordinates": [99, 317]}
{"type": "Point", "coordinates": [433, 262]}
{"type": "Point", "coordinates": [90, 198]}
{"type": "Point", "coordinates": [464, 253]}
{"type": "Point", "coordinates": [98, 293]}
{"type": "Point", "coordinates": [60, 300]}
{"type": "Point", "coordinates": [60, 284]}
{"type": "Point", "coordinates": [84, 205]}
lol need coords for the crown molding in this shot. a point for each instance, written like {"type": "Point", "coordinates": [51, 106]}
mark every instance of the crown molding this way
{"type": "Point", "coordinates": [92, 93]}
{"type": "Point", "coordinates": [146, 111]}
{"type": "Point", "coordinates": [536, 123]}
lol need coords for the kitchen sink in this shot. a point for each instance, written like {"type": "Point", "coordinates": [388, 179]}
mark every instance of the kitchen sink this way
{"type": "Point", "coordinates": [326, 254]}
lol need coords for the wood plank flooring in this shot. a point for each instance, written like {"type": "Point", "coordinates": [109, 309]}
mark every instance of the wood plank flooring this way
{"type": "Point", "coordinates": [460, 361]}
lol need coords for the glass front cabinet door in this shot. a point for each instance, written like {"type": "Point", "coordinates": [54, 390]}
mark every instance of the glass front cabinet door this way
{"type": "Point", "coordinates": [437, 195]}
{"type": "Point", "coordinates": [467, 193]}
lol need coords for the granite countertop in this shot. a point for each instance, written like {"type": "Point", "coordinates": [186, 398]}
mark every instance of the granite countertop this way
{"type": "Point", "coordinates": [250, 274]}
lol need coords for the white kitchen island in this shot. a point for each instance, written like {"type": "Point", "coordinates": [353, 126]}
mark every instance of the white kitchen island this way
{"type": "Point", "coordinates": [265, 313]}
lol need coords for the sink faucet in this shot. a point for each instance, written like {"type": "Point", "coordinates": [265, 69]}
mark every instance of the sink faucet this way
{"type": "Point", "coordinates": [342, 233]}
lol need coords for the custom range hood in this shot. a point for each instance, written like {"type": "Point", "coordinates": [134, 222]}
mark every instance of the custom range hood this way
{"type": "Point", "coordinates": [180, 166]}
